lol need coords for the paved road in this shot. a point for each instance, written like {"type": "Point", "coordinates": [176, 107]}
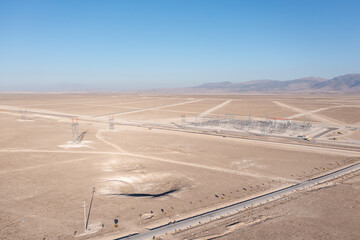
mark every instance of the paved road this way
{"type": "Point", "coordinates": [225, 211]}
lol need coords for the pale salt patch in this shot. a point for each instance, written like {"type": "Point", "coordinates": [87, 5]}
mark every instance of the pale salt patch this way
{"type": "Point", "coordinates": [70, 144]}
{"type": "Point", "coordinates": [92, 228]}
{"type": "Point", "coordinates": [24, 120]}
{"type": "Point", "coordinates": [244, 163]}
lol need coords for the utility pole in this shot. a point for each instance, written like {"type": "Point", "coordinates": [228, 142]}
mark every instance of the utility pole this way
{"type": "Point", "coordinates": [85, 227]}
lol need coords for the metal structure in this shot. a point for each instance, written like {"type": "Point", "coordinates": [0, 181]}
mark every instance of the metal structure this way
{"type": "Point", "coordinates": [265, 126]}
{"type": "Point", "coordinates": [111, 123]}
{"type": "Point", "coordinates": [23, 115]}
{"type": "Point", "coordinates": [85, 226]}
{"type": "Point", "coordinates": [75, 129]}
{"type": "Point", "coordinates": [183, 120]}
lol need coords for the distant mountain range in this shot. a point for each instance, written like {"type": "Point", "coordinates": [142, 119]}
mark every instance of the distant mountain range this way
{"type": "Point", "coordinates": [349, 83]}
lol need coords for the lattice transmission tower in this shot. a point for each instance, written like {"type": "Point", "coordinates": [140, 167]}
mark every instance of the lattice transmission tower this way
{"type": "Point", "coordinates": [75, 129]}
{"type": "Point", "coordinates": [111, 123]}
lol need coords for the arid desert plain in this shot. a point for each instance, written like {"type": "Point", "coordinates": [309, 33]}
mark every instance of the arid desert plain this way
{"type": "Point", "coordinates": [147, 160]}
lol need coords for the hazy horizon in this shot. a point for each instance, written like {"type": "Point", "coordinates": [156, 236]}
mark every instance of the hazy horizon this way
{"type": "Point", "coordinates": [76, 87]}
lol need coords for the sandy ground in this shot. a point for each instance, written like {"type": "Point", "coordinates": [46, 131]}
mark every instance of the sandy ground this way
{"type": "Point", "coordinates": [355, 135]}
{"type": "Point", "coordinates": [256, 108]}
{"type": "Point", "coordinates": [143, 177]}
{"type": "Point", "coordinates": [348, 115]}
{"type": "Point", "coordinates": [327, 212]}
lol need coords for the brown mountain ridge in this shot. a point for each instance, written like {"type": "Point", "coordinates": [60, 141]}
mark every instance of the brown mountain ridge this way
{"type": "Point", "coordinates": [349, 83]}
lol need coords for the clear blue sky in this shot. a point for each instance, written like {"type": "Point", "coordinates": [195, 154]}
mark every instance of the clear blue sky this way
{"type": "Point", "coordinates": [129, 44]}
